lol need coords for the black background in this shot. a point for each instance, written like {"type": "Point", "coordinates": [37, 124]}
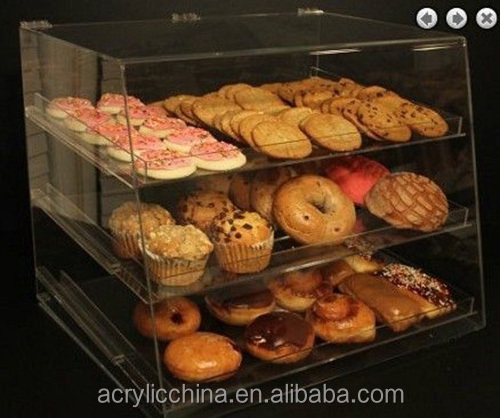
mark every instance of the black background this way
{"type": "Point", "coordinates": [48, 376]}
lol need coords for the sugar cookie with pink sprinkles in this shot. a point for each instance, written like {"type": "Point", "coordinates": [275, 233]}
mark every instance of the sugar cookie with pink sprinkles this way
{"type": "Point", "coordinates": [114, 103]}
{"type": "Point", "coordinates": [161, 126]}
{"type": "Point", "coordinates": [164, 164]}
{"type": "Point", "coordinates": [121, 148]}
{"type": "Point", "coordinates": [61, 107]}
{"type": "Point", "coordinates": [183, 140]}
{"type": "Point", "coordinates": [217, 156]}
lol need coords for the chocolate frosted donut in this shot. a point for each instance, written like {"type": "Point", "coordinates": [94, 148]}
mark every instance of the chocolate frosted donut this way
{"type": "Point", "coordinates": [279, 337]}
{"type": "Point", "coordinates": [240, 306]}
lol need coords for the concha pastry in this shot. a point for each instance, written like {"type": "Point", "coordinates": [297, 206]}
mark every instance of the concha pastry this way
{"type": "Point", "coordinates": [408, 201]}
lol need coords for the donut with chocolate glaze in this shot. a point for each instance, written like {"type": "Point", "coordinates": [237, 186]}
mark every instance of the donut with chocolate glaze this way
{"type": "Point", "coordinates": [342, 319]}
{"type": "Point", "coordinates": [240, 306]}
{"type": "Point", "coordinates": [279, 337]}
{"type": "Point", "coordinates": [173, 318]}
{"type": "Point", "coordinates": [298, 290]}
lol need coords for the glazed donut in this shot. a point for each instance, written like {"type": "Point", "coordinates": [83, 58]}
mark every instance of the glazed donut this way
{"type": "Point", "coordinates": [173, 318]}
{"type": "Point", "coordinates": [298, 290]}
{"type": "Point", "coordinates": [240, 305]}
{"type": "Point", "coordinates": [239, 190]}
{"type": "Point", "coordinates": [342, 319]}
{"type": "Point", "coordinates": [279, 337]}
{"type": "Point", "coordinates": [264, 186]}
{"type": "Point", "coordinates": [202, 357]}
{"type": "Point", "coordinates": [313, 209]}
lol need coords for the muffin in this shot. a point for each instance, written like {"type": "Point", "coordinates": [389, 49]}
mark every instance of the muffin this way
{"type": "Point", "coordinates": [201, 207]}
{"type": "Point", "coordinates": [125, 226]}
{"type": "Point", "coordinates": [177, 255]}
{"type": "Point", "coordinates": [239, 190]}
{"type": "Point", "coordinates": [243, 241]}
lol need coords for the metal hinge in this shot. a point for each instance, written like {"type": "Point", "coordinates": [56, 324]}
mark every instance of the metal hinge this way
{"type": "Point", "coordinates": [36, 24]}
{"type": "Point", "coordinates": [306, 11]}
{"type": "Point", "coordinates": [185, 17]}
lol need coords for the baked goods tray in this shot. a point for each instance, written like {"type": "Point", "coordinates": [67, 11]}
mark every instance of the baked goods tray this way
{"type": "Point", "coordinates": [103, 309]}
{"type": "Point", "coordinates": [98, 156]}
{"type": "Point", "coordinates": [287, 255]}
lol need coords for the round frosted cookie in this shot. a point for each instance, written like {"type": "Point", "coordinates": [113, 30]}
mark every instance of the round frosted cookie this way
{"type": "Point", "coordinates": [382, 122]}
{"type": "Point", "coordinates": [161, 126]}
{"type": "Point", "coordinates": [247, 125]}
{"type": "Point", "coordinates": [182, 140]}
{"type": "Point", "coordinates": [62, 106]}
{"type": "Point", "coordinates": [121, 150]}
{"type": "Point", "coordinates": [164, 164]}
{"type": "Point", "coordinates": [217, 156]}
{"type": "Point", "coordinates": [333, 132]}
{"type": "Point", "coordinates": [82, 119]}
{"type": "Point", "coordinates": [257, 99]}
{"type": "Point", "coordinates": [422, 120]}
{"type": "Point", "coordinates": [207, 107]}
{"type": "Point", "coordinates": [112, 103]}
{"type": "Point", "coordinates": [294, 115]}
{"type": "Point", "coordinates": [280, 140]}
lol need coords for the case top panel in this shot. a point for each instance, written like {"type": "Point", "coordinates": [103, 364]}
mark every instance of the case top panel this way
{"type": "Point", "coordinates": [193, 37]}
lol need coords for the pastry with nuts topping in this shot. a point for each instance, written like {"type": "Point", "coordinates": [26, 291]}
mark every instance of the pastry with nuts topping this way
{"type": "Point", "coordinates": [125, 225]}
{"type": "Point", "coordinates": [243, 241]}
{"type": "Point", "coordinates": [177, 255]}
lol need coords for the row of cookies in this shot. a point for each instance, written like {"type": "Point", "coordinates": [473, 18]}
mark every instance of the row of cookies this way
{"type": "Point", "coordinates": [164, 147]}
{"type": "Point", "coordinates": [339, 303]}
{"type": "Point", "coordinates": [377, 112]}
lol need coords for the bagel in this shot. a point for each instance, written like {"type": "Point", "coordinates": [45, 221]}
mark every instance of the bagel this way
{"type": "Point", "coordinates": [313, 209]}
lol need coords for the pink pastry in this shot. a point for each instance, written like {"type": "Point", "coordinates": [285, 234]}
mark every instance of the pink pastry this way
{"type": "Point", "coordinates": [121, 148]}
{"type": "Point", "coordinates": [113, 131]}
{"type": "Point", "coordinates": [62, 106]}
{"type": "Point", "coordinates": [164, 164]}
{"type": "Point", "coordinates": [157, 111]}
{"type": "Point", "coordinates": [114, 103]}
{"type": "Point", "coordinates": [84, 118]}
{"type": "Point", "coordinates": [137, 115]}
{"type": "Point", "coordinates": [161, 126]}
{"type": "Point", "coordinates": [356, 175]}
{"type": "Point", "coordinates": [217, 156]}
{"type": "Point", "coordinates": [183, 140]}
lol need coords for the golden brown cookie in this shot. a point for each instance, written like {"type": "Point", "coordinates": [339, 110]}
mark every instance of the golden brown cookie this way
{"type": "Point", "coordinates": [383, 122]}
{"type": "Point", "coordinates": [247, 125]}
{"type": "Point", "coordinates": [294, 115]}
{"type": "Point", "coordinates": [408, 201]}
{"type": "Point", "coordinates": [257, 99]}
{"type": "Point", "coordinates": [171, 103]}
{"type": "Point", "coordinates": [372, 92]}
{"type": "Point", "coordinates": [422, 120]}
{"type": "Point", "coordinates": [314, 97]}
{"type": "Point", "coordinates": [333, 132]}
{"type": "Point", "coordinates": [272, 87]}
{"type": "Point", "coordinates": [350, 112]}
{"type": "Point", "coordinates": [235, 88]}
{"type": "Point", "coordinates": [225, 124]}
{"type": "Point", "coordinates": [207, 107]}
{"type": "Point", "coordinates": [238, 117]}
{"type": "Point", "coordinates": [280, 140]}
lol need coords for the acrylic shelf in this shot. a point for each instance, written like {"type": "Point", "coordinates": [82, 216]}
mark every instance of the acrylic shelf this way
{"type": "Point", "coordinates": [255, 161]}
{"type": "Point", "coordinates": [287, 255]}
{"type": "Point", "coordinates": [106, 320]}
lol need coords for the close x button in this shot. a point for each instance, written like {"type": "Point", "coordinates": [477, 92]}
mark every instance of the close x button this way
{"type": "Point", "coordinates": [486, 18]}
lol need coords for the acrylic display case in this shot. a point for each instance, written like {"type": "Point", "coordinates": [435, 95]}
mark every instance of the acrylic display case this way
{"type": "Point", "coordinates": [91, 290]}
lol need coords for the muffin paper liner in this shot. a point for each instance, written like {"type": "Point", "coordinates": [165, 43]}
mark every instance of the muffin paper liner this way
{"type": "Point", "coordinates": [174, 271]}
{"type": "Point", "coordinates": [126, 245]}
{"type": "Point", "coordinates": [244, 258]}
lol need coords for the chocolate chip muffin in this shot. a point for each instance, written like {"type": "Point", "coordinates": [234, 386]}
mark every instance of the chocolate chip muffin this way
{"type": "Point", "coordinates": [199, 208]}
{"type": "Point", "coordinates": [243, 241]}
